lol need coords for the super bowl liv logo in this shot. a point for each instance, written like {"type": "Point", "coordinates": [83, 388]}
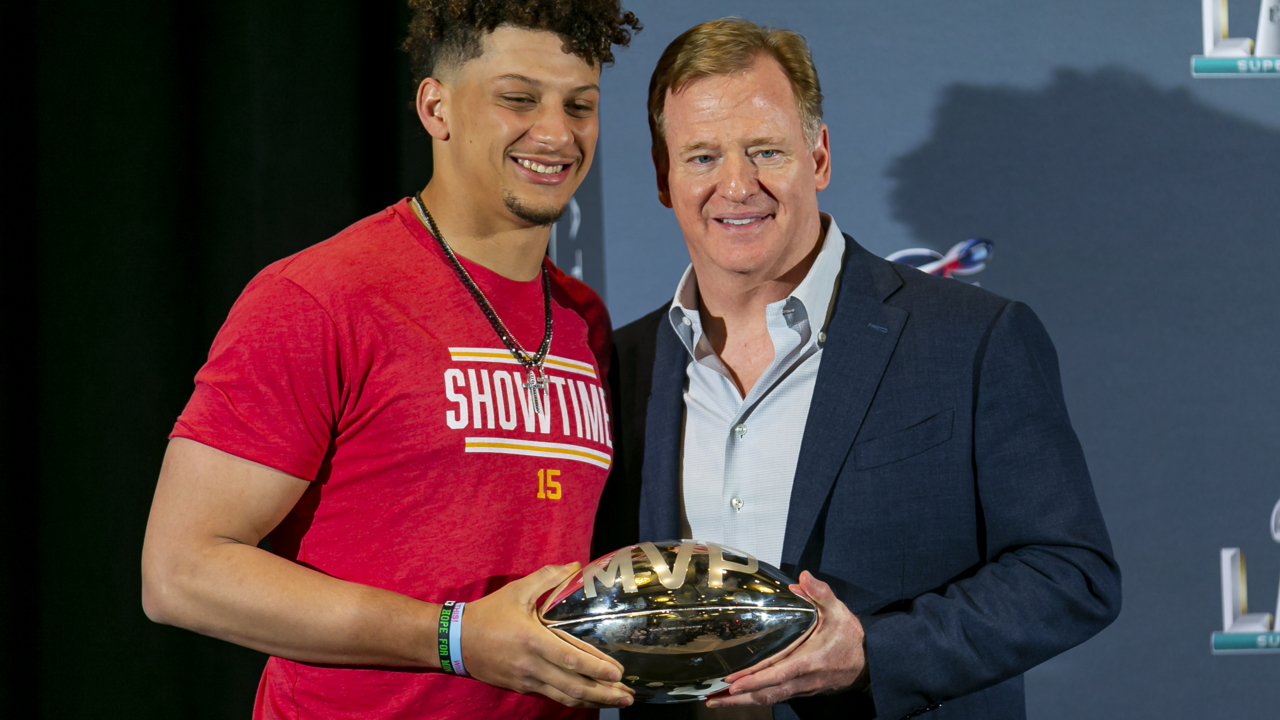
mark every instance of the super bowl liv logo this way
{"type": "Point", "coordinates": [1243, 631]}
{"type": "Point", "coordinates": [1226, 56]}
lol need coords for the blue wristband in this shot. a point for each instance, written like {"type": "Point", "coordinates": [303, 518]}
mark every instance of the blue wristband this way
{"type": "Point", "coordinates": [455, 640]}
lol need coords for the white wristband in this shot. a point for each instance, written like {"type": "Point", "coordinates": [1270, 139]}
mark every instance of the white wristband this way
{"type": "Point", "coordinates": [455, 640]}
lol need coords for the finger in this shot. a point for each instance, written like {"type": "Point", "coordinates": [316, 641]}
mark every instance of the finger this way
{"type": "Point", "coordinates": [779, 674]}
{"type": "Point", "coordinates": [584, 689]}
{"type": "Point", "coordinates": [799, 687]}
{"type": "Point", "coordinates": [563, 699]}
{"type": "Point", "coordinates": [762, 665]}
{"type": "Point", "coordinates": [768, 696]}
{"type": "Point", "coordinates": [568, 657]}
{"type": "Point", "coordinates": [799, 591]}
{"type": "Point", "coordinates": [770, 661]}
{"type": "Point", "coordinates": [587, 648]}
{"type": "Point", "coordinates": [541, 582]}
{"type": "Point", "coordinates": [745, 699]}
{"type": "Point", "coordinates": [548, 597]}
{"type": "Point", "coordinates": [529, 587]}
{"type": "Point", "coordinates": [762, 676]}
{"type": "Point", "coordinates": [549, 576]}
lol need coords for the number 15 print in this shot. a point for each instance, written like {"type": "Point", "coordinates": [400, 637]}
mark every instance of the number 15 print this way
{"type": "Point", "coordinates": [548, 489]}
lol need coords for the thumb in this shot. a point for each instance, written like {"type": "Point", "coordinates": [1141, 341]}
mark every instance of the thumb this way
{"type": "Point", "coordinates": [548, 581]}
{"type": "Point", "coordinates": [819, 592]}
{"type": "Point", "coordinates": [549, 576]}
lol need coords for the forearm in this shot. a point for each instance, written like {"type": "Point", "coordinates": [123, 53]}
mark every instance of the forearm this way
{"type": "Point", "coordinates": [1016, 612]}
{"type": "Point", "coordinates": [242, 594]}
{"type": "Point", "coordinates": [202, 570]}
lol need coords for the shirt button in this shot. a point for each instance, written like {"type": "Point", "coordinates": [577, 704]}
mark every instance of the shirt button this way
{"type": "Point", "coordinates": [737, 504]}
{"type": "Point", "coordinates": [822, 338]}
{"type": "Point", "coordinates": [741, 430]}
{"type": "Point", "coordinates": [686, 321]}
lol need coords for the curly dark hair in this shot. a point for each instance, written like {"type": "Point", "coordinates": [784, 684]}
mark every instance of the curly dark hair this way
{"type": "Point", "coordinates": [449, 32]}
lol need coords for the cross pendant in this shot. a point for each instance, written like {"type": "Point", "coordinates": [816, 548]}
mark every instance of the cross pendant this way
{"type": "Point", "coordinates": [536, 385]}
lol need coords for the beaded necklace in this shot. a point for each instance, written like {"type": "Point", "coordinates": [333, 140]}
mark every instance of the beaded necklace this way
{"type": "Point", "coordinates": [535, 373]}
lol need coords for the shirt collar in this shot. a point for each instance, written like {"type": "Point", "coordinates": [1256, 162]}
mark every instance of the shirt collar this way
{"type": "Point", "coordinates": [813, 294]}
{"type": "Point", "coordinates": [819, 285]}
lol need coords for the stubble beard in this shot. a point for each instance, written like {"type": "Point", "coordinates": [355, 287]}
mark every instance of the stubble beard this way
{"type": "Point", "coordinates": [530, 214]}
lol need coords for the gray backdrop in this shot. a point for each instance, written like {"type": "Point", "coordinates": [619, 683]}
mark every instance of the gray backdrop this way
{"type": "Point", "coordinates": [1132, 207]}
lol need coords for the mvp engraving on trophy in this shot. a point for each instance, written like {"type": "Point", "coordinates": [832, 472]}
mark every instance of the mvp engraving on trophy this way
{"type": "Point", "coordinates": [680, 616]}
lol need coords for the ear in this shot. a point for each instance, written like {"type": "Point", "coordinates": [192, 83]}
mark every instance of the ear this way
{"type": "Point", "coordinates": [431, 108]}
{"type": "Point", "coordinates": [661, 167]}
{"type": "Point", "coordinates": [822, 160]}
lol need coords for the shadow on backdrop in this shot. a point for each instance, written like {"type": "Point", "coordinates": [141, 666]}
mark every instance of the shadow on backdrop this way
{"type": "Point", "coordinates": [1141, 225]}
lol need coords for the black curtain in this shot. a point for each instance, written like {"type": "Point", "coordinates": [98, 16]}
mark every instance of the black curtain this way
{"type": "Point", "coordinates": [159, 154]}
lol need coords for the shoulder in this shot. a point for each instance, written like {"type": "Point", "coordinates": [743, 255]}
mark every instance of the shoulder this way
{"type": "Point", "coordinates": [369, 259]}
{"type": "Point", "coordinates": [573, 294]}
{"type": "Point", "coordinates": [941, 311]}
{"type": "Point", "coordinates": [579, 298]}
{"type": "Point", "coordinates": [635, 347]}
{"type": "Point", "coordinates": [950, 313]}
{"type": "Point", "coordinates": [925, 295]}
{"type": "Point", "coordinates": [641, 333]}
{"type": "Point", "coordinates": [355, 255]}
{"type": "Point", "coordinates": [311, 289]}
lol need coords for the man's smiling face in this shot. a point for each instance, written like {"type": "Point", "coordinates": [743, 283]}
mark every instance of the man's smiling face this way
{"type": "Point", "coordinates": [524, 123]}
{"type": "Point", "coordinates": [740, 174]}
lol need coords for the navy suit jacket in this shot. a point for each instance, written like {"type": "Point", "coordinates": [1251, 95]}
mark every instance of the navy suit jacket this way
{"type": "Point", "coordinates": [940, 489]}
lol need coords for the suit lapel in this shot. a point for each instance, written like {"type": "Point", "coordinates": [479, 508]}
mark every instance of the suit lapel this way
{"type": "Point", "coordinates": [660, 472]}
{"type": "Point", "coordinates": [861, 337]}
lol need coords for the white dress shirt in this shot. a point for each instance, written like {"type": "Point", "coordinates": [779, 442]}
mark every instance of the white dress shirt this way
{"type": "Point", "coordinates": [739, 454]}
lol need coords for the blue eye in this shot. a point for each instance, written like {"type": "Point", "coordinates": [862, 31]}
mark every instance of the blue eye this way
{"type": "Point", "coordinates": [702, 159]}
{"type": "Point", "coordinates": [768, 154]}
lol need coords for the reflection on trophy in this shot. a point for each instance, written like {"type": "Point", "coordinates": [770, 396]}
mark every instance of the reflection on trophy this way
{"type": "Point", "coordinates": [680, 616]}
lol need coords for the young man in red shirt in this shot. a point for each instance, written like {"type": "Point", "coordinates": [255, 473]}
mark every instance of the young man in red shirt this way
{"type": "Point", "coordinates": [414, 411]}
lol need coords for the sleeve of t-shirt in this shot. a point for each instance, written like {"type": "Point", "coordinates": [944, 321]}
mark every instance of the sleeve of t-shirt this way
{"type": "Point", "coordinates": [270, 391]}
{"type": "Point", "coordinates": [576, 295]}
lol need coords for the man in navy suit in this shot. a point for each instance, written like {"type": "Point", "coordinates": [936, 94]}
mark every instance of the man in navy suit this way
{"type": "Point", "coordinates": [897, 439]}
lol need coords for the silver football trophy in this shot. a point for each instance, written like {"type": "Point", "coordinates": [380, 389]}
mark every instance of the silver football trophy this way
{"type": "Point", "coordinates": [680, 616]}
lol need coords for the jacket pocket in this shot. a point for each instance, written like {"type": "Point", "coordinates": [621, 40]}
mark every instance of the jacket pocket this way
{"type": "Point", "coordinates": [905, 443]}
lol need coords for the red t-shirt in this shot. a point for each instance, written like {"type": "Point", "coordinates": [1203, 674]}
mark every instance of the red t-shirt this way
{"type": "Point", "coordinates": [364, 365]}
